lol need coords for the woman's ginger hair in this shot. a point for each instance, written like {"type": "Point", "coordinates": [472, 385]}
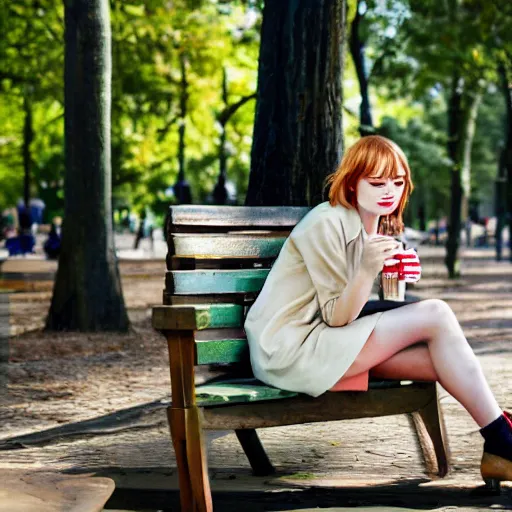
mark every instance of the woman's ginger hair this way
{"type": "Point", "coordinates": [373, 155]}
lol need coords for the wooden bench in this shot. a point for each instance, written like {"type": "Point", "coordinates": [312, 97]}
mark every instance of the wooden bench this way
{"type": "Point", "coordinates": [218, 259]}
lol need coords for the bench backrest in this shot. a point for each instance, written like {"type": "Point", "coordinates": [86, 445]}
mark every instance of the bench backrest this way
{"type": "Point", "coordinates": [219, 257]}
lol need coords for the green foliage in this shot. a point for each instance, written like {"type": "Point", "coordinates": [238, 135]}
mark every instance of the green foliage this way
{"type": "Point", "coordinates": [148, 39]}
{"type": "Point", "coordinates": [412, 49]}
{"type": "Point", "coordinates": [10, 150]}
{"type": "Point", "coordinates": [31, 63]}
{"type": "Point", "coordinates": [424, 144]}
{"type": "Point", "coordinates": [148, 45]}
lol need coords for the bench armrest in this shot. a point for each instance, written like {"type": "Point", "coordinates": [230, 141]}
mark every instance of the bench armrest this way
{"type": "Point", "coordinates": [197, 317]}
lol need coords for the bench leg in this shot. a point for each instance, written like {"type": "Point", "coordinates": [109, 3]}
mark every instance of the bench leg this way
{"type": "Point", "coordinates": [186, 428]}
{"type": "Point", "coordinates": [186, 432]}
{"type": "Point", "coordinates": [431, 431]}
{"type": "Point", "coordinates": [197, 463]}
{"type": "Point", "coordinates": [176, 419]}
{"type": "Point", "coordinates": [251, 444]}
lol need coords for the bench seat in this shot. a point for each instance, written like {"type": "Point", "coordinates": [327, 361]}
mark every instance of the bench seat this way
{"type": "Point", "coordinates": [241, 390]}
{"type": "Point", "coordinates": [230, 391]}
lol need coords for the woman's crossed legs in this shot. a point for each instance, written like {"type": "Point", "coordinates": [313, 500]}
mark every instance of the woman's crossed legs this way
{"type": "Point", "coordinates": [424, 341]}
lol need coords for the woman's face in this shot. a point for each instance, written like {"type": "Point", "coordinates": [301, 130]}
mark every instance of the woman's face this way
{"type": "Point", "coordinates": [380, 196]}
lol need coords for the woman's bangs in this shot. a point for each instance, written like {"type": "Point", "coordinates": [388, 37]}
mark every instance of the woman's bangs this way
{"type": "Point", "coordinates": [388, 166]}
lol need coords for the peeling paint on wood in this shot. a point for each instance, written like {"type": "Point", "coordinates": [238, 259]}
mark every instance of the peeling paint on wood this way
{"type": "Point", "coordinates": [188, 282]}
{"type": "Point", "coordinates": [198, 317]}
{"type": "Point", "coordinates": [226, 246]}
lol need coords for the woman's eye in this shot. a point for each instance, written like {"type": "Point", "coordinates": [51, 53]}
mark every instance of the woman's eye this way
{"type": "Point", "coordinates": [377, 184]}
{"type": "Point", "coordinates": [399, 183]}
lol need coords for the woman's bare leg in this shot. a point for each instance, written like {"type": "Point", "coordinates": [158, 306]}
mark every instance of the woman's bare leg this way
{"type": "Point", "coordinates": [412, 363]}
{"type": "Point", "coordinates": [432, 321]}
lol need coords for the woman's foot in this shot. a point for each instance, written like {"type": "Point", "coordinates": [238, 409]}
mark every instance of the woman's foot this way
{"type": "Point", "coordinates": [496, 465]}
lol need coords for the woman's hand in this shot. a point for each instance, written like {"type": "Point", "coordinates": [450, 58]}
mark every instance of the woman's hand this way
{"type": "Point", "coordinates": [377, 249]}
{"type": "Point", "coordinates": [411, 266]}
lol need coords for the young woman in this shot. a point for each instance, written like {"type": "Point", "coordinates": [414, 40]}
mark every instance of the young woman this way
{"type": "Point", "coordinates": [304, 332]}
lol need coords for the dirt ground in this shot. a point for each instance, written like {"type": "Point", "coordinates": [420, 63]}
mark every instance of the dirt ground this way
{"type": "Point", "coordinates": [60, 378]}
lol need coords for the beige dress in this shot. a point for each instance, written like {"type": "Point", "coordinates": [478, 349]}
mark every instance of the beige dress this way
{"type": "Point", "coordinates": [292, 345]}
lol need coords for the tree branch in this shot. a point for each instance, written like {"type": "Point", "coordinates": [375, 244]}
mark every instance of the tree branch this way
{"type": "Point", "coordinates": [224, 116]}
{"type": "Point", "coordinates": [351, 112]}
{"type": "Point", "coordinates": [162, 132]}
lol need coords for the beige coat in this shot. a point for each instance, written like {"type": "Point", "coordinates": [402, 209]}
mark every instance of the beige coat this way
{"type": "Point", "coordinates": [291, 343]}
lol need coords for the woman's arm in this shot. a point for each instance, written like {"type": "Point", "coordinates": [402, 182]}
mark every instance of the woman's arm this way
{"type": "Point", "coordinates": [355, 295]}
{"type": "Point", "coordinates": [357, 292]}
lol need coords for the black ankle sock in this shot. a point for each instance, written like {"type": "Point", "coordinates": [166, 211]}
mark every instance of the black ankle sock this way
{"type": "Point", "coordinates": [498, 437]}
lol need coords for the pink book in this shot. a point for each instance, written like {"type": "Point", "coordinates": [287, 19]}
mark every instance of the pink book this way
{"type": "Point", "coordinates": [358, 382]}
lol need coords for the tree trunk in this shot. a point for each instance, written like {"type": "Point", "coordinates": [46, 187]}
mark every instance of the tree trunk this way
{"type": "Point", "coordinates": [358, 56]}
{"type": "Point", "coordinates": [469, 128]}
{"type": "Point", "coordinates": [183, 115]}
{"type": "Point", "coordinates": [462, 111]}
{"type": "Point", "coordinates": [220, 194]}
{"type": "Point", "coordinates": [454, 152]}
{"type": "Point", "coordinates": [422, 216]}
{"type": "Point", "coordinates": [28, 137]}
{"type": "Point", "coordinates": [87, 295]}
{"type": "Point", "coordinates": [297, 138]}
{"type": "Point", "coordinates": [500, 203]}
{"type": "Point", "coordinates": [182, 187]}
{"type": "Point", "coordinates": [507, 151]}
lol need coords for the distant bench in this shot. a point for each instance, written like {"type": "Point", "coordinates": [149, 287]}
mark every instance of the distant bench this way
{"type": "Point", "coordinates": [27, 274]}
{"type": "Point", "coordinates": [38, 274]}
{"type": "Point", "coordinates": [218, 259]}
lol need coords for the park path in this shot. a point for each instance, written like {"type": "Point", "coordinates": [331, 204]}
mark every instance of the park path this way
{"type": "Point", "coordinates": [56, 379]}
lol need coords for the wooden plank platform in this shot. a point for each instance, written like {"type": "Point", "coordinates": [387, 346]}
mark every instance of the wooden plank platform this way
{"type": "Point", "coordinates": [27, 274]}
{"type": "Point", "coordinates": [37, 491]}
{"type": "Point", "coordinates": [29, 265]}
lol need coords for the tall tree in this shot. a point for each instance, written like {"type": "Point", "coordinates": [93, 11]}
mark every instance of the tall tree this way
{"type": "Point", "coordinates": [87, 294]}
{"type": "Point", "coordinates": [494, 26]}
{"type": "Point", "coordinates": [505, 172]}
{"type": "Point", "coordinates": [297, 136]}
{"type": "Point", "coordinates": [145, 97]}
{"type": "Point", "coordinates": [439, 37]}
{"type": "Point", "coordinates": [357, 50]}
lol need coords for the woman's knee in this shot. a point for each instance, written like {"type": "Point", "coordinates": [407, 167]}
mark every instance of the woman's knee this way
{"type": "Point", "coordinates": [438, 313]}
{"type": "Point", "coordinates": [436, 307]}
{"type": "Point", "coordinates": [442, 322]}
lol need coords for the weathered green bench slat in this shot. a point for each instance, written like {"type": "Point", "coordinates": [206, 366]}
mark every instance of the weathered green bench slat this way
{"type": "Point", "coordinates": [198, 317]}
{"type": "Point", "coordinates": [187, 282]}
{"type": "Point", "coordinates": [222, 351]}
{"type": "Point", "coordinates": [253, 216]}
{"type": "Point", "coordinates": [238, 391]}
{"type": "Point", "coordinates": [226, 246]}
